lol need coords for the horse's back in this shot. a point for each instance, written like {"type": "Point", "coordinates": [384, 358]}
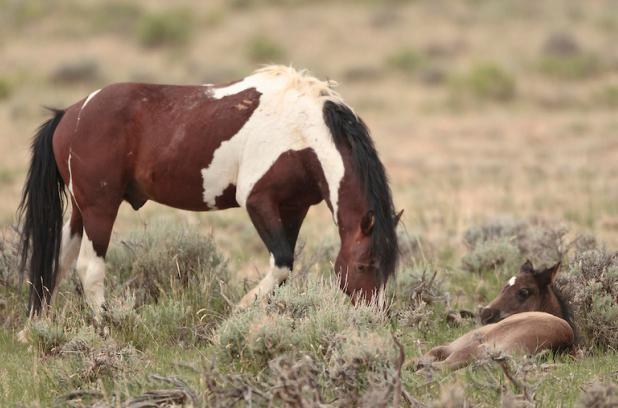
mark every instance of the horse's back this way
{"type": "Point", "coordinates": [151, 140]}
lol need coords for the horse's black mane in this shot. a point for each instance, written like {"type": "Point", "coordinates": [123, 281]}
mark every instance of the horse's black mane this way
{"type": "Point", "coordinates": [565, 309]}
{"type": "Point", "coordinates": [347, 129]}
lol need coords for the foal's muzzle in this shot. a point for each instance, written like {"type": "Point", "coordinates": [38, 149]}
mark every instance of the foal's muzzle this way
{"type": "Point", "coordinates": [489, 315]}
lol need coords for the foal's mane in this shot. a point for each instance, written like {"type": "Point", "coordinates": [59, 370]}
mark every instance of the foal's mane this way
{"type": "Point", "coordinates": [565, 309]}
{"type": "Point", "coordinates": [347, 129]}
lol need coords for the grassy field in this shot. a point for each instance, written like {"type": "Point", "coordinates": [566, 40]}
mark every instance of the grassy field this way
{"type": "Point", "coordinates": [496, 122]}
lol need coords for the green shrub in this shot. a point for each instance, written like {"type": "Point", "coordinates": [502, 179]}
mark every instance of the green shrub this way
{"type": "Point", "coordinates": [264, 50]}
{"type": "Point", "coordinates": [5, 89]}
{"type": "Point", "coordinates": [301, 318]}
{"type": "Point", "coordinates": [484, 82]}
{"type": "Point", "coordinates": [78, 71]}
{"type": "Point", "coordinates": [9, 259]}
{"type": "Point", "coordinates": [417, 292]}
{"type": "Point", "coordinates": [570, 67]}
{"type": "Point", "coordinates": [507, 241]}
{"type": "Point", "coordinates": [499, 256]}
{"type": "Point", "coordinates": [176, 280]}
{"type": "Point", "coordinates": [171, 259]}
{"type": "Point", "coordinates": [172, 27]}
{"type": "Point", "coordinates": [407, 61]}
{"type": "Point", "coordinates": [598, 395]}
{"type": "Point", "coordinates": [117, 16]}
{"type": "Point", "coordinates": [591, 286]}
{"type": "Point", "coordinates": [608, 96]}
{"type": "Point", "coordinates": [47, 335]}
{"type": "Point", "coordinates": [167, 322]}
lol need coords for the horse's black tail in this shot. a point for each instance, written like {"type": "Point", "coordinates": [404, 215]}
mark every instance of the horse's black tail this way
{"type": "Point", "coordinates": [40, 214]}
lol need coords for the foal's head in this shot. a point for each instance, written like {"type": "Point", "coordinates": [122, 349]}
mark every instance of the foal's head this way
{"type": "Point", "coordinates": [529, 291]}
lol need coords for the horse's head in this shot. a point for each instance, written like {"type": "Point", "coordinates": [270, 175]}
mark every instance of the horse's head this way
{"type": "Point", "coordinates": [365, 260]}
{"type": "Point", "coordinates": [363, 207]}
{"type": "Point", "coordinates": [528, 291]}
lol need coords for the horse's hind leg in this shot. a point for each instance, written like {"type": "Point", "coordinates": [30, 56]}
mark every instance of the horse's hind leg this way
{"type": "Point", "coordinates": [98, 224]}
{"type": "Point", "coordinates": [69, 247]}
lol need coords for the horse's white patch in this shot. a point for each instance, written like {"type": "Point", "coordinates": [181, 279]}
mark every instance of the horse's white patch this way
{"type": "Point", "coordinates": [289, 117]}
{"type": "Point", "coordinates": [91, 271]}
{"type": "Point", "coordinates": [272, 279]}
{"type": "Point", "coordinates": [71, 180]}
{"type": "Point", "coordinates": [88, 99]}
{"type": "Point", "coordinates": [511, 281]}
{"type": "Point", "coordinates": [69, 250]}
{"type": "Point", "coordinates": [70, 176]}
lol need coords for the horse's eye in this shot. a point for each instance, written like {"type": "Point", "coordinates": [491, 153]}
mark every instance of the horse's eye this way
{"type": "Point", "coordinates": [523, 294]}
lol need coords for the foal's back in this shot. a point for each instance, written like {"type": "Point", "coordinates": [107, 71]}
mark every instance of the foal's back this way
{"type": "Point", "coordinates": [528, 332]}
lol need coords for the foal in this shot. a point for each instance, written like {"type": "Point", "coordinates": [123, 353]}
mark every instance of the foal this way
{"type": "Point", "coordinates": [527, 316]}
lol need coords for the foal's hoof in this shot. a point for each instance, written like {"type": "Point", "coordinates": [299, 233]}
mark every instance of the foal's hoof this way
{"type": "Point", "coordinates": [23, 336]}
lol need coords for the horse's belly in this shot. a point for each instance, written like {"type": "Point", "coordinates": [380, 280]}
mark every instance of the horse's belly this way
{"type": "Point", "coordinates": [186, 192]}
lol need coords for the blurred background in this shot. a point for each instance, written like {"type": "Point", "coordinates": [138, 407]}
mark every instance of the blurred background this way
{"type": "Point", "coordinates": [479, 108]}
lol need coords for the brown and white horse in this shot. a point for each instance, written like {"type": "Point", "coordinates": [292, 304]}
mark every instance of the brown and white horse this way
{"type": "Point", "coordinates": [528, 316]}
{"type": "Point", "coordinates": [275, 143]}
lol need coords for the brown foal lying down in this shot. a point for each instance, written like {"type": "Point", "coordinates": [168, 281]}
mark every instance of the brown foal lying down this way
{"type": "Point", "coordinates": [528, 316]}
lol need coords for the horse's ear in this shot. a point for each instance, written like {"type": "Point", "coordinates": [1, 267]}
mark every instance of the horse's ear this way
{"type": "Point", "coordinates": [546, 277]}
{"type": "Point", "coordinates": [367, 222]}
{"type": "Point", "coordinates": [527, 267]}
{"type": "Point", "coordinates": [397, 217]}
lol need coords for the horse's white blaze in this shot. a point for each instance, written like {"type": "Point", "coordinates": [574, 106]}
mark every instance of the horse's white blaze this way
{"type": "Point", "coordinates": [91, 271]}
{"type": "Point", "coordinates": [512, 281]}
{"type": "Point", "coordinates": [288, 117]}
{"type": "Point", "coordinates": [69, 250]}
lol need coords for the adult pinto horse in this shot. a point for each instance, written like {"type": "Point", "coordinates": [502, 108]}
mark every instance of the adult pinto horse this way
{"type": "Point", "coordinates": [275, 143]}
{"type": "Point", "coordinates": [529, 315]}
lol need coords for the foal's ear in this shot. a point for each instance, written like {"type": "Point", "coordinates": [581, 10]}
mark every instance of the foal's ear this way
{"type": "Point", "coordinates": [527, 267]}
{"type": "Point", "coordinates": [367, 222]}
{"type": "Point", "coordinates": [546, 277]}
{"type": "Point", "coordinates": [397, 217]}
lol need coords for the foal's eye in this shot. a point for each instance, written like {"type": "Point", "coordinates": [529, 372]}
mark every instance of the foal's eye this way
{"type": "Point", "coordinates": [523, 294]}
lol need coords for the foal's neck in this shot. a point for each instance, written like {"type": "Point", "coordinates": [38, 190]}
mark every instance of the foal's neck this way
{"type": "Point", "coordinates": [556, 305]}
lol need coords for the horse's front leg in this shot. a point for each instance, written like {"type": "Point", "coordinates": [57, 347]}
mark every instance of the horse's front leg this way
{"type": "Point", "coordinates": [278, 226]}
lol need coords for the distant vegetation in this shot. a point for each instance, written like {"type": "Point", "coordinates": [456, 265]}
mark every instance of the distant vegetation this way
{"type": "Point", "coordinates": [170, 27]}
{"type": "Point", "coordinates": [5, 89]}
{"type": "Point", "coordinates": [265, 50]}
{"type": "Point", "coordinates": [484, 81]}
